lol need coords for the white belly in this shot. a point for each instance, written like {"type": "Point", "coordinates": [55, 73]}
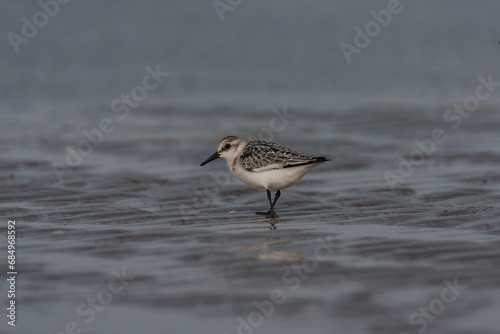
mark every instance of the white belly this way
{"type": "Point", "coordinates": [273, 179]}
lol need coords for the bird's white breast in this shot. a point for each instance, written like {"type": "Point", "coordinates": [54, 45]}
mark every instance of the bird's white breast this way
{"type": "Point", "coordinates": [273, 179]}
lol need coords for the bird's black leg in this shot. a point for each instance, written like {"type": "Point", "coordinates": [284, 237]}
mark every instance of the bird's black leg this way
{"type": "Point", "coordinates": [278, 194]}
{"type": "Point", "coordinates": [271, 212]}
{"type": "Point", "coordinates": [270, 203]}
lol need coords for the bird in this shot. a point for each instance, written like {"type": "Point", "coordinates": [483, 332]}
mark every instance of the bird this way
{"type": "Point", "coordinates": [264, 166]}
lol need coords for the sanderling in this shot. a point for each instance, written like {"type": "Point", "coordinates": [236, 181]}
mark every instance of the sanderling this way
{"type": "Point", "coordinates": [264, 166]}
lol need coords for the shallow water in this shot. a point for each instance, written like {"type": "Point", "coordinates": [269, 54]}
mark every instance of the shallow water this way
{"type": "Point", "coordinates": [131, 206]}
{"type": "Point", "coordinates": [348, 253]}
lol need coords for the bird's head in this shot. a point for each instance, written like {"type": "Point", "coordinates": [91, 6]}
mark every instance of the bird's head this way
{"type": "Point", "coordinates": [229, 148]}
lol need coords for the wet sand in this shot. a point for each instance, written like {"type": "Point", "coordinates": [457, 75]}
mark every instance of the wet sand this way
{"type": "Point", "coordinates": [348, 254]}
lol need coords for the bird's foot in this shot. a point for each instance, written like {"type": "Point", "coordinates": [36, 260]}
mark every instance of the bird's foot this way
{"type": "Point", "coordinates": [264, 213]}
{"type": "Point", "coordinates": [268, 214]}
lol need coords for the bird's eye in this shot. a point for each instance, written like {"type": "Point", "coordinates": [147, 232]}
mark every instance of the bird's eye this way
{"type": "Point", "coordinates": [227, 146]}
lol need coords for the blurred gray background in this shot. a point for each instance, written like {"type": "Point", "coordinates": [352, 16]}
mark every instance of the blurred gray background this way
{"type": "Point", "coordinates": [263, 53]}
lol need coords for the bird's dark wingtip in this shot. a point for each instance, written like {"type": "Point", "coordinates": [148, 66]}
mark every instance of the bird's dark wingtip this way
{"type": "Point", "coordinates": [314, 160]}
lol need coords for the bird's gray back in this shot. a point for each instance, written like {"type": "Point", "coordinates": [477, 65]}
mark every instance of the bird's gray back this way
{"type": "Point", "coordinates": [261, 155]}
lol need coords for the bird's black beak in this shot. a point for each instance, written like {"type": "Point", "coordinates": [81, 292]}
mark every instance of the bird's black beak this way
{"type": "Point", "coordinates": [212, 157]}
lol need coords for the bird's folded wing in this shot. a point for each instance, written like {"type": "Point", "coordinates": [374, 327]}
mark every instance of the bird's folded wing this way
{"type": "Point", "coordinates": [259, 156]}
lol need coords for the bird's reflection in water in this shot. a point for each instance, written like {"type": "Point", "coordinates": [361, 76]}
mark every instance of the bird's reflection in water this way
{"type": "Point", "coordinates": [273, 223]}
